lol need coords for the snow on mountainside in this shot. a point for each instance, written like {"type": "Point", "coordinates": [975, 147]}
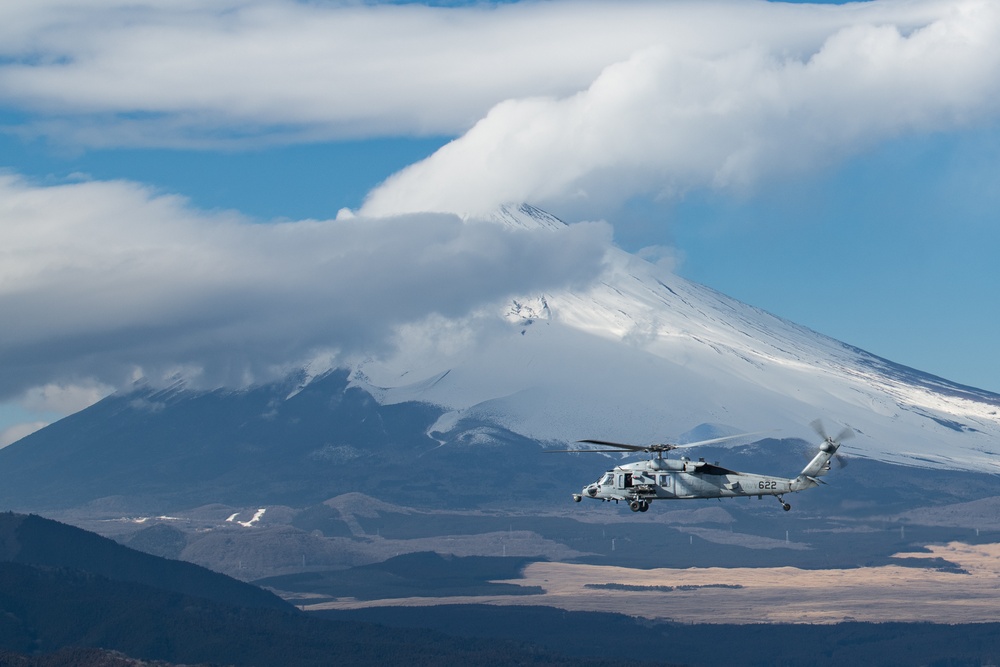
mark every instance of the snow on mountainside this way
{"type": "Point", "coordinates": [644, 356]}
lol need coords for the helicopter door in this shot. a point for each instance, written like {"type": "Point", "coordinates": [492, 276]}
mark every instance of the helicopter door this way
{"type": "Point", "coordinates": [624, 480]}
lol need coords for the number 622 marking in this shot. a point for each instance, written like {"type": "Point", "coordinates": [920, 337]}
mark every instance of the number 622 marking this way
{"type": "Point", "coordinates": [767, 484]}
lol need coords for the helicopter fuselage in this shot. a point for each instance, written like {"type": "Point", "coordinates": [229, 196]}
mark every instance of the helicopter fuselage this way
{"type": "Point", "coordinates": [661, 478]}
{"type": "Point", "coordinates": [640, 482]}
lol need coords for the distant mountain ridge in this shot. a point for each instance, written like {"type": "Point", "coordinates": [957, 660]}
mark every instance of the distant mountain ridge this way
{"type": "Point", "coordinates": [269, 445]}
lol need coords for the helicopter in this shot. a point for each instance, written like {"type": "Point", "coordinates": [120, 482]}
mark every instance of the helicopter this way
{"type": "Point", "coordinates": [660, 478]}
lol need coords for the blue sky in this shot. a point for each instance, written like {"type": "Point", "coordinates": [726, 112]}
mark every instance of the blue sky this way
{"type": "Point", "coordinates": [835, 165]}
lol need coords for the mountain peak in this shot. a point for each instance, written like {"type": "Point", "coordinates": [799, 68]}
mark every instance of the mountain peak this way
{"type": "Point", "coordinates": [642, 354]}
{"type": "Point", "coordinates": [524, 216]}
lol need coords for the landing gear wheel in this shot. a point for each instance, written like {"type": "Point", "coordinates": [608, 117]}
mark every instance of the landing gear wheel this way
{"type": "Point", "coordinates": [643, 506]}
{"type": "Point", "coordinates": [786, 506]}
{"type": "Point", "coordinates": [634, 505]}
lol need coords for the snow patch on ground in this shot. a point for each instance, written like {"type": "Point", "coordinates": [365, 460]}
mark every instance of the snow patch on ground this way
{"type": "Point", "coordinates": [247, 524]}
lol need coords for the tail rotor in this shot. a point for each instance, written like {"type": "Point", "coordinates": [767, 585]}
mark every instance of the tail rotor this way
{"type": "Point", "coordinates": [845, 434]}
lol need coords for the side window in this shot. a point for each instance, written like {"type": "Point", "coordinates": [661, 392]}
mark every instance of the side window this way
{"type": "Point", "coordinates": [665, 481]}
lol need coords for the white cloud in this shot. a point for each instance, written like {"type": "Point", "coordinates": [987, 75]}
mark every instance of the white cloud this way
{"type": "Point", "coordinates": [105, 280]}
{"type": "Point", "coordinates": [575, 106]}
{"type": "Point", "coordinates": [14, 433]}
{"type": "Point", "coordinates": [63, 397]}
{"type": "Point", "coordinates": [665, 121]}
{"type": "Point", "coordinates": [667, 258]}
{"type": "Point", "coordinates": [150, 72]}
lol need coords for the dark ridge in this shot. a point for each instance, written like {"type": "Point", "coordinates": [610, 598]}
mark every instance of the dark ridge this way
{"type": "Point", "coordinates": [79, 657]}
{"type": "Point", "coordinates": [69, 598]}
{"type": "Point", "coordinates": [44, 610]}
{"type": "Point", "coordinates": [761, 645]}
{"type": "Point", "coordinates": [420, 574]}
{"type": "Point", "coordinates": [33, 540]}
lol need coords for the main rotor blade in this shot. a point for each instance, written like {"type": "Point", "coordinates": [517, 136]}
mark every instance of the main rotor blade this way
{"type": "Point", "coordinates": [620, 445]}
{"type": "Point", "coordinates": [662, 447]}
{"type": "Point", "coordinates": [585, 451]}
{"type": "Point", "coordinates": [722, 439]}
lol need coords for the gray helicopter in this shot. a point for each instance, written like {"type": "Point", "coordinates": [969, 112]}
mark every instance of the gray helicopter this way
{"type": "Point", "coordinates": [660, 478]}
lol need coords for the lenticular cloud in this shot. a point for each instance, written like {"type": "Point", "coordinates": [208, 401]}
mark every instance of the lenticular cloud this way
{"type": "Point", "coordinates": [665, 121]}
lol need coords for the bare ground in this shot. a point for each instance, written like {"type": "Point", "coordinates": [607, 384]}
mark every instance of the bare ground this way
{"type": "Point", "coordinates": [764, 595]}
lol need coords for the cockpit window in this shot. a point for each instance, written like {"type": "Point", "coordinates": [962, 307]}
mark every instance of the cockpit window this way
{"type": "Point", "coordinates": [607, 479]}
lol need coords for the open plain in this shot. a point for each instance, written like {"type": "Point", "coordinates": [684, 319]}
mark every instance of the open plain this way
{"type": "Point", "coordinates": [967, 590]}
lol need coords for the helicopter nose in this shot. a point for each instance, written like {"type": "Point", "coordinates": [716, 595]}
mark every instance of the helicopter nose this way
{"type": "Point", "coordinates": [591, 490]}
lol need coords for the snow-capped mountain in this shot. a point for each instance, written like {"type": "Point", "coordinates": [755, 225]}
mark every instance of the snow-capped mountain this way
{"type": "Point", "coordinates": [645, 356]}
{"type": "Point", "coordinates": [638, 356]}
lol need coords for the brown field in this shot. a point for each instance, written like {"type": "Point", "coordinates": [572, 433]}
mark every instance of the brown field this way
{"type": "Point", "coordinates": [763, 595]}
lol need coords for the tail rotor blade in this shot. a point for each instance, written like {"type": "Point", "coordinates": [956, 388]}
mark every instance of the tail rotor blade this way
{"type": "Point", "coordinates": [846, 434]}
{"type": "Point", "coordinates": [817, 425]}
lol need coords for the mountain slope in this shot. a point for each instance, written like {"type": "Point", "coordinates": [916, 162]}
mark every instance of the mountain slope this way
{"type": "Point", "coordinates": [459, 414]}
{"type": "Point", "coordinates": [278, 443]}
{"type": "Point", "coordinates": [644, 355]}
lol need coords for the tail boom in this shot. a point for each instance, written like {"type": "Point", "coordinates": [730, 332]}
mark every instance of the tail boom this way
{"type": "Point", "coordinates": [819, 466]}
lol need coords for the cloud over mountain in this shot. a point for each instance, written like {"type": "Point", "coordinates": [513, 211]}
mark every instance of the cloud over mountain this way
{"type": "Point", "coordinates": [109, 280]}
{"type": "Point", "coordinates": [578, 107]}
